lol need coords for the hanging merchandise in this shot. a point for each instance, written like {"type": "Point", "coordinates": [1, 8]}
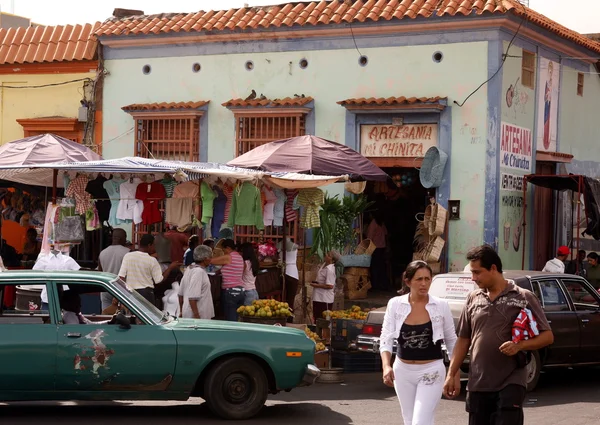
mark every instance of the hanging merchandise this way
{"type": "Point", "coordinates": [311, 200]}
{"type": "Point", "coordinates": [169, 184]}
{"type": "Point", "coordinates": [291, 213]}
{"type": "Point", "coordinates": [208, 197]}
{"type": "Point", "coordinates": [113, 188]}
{"type": "Point", "coordinates": [269, 206]}
{"type": "Point", "coordinates": [130, 208]}
{"type": "Point", "coordinates": [151, 194]}
{"type": "Point", "coordinates": [279, 207]}
{"type": "Point", "coordinates": [92, 220]}
{"type": "Point", "coordinates": [218, 212]}
{"type": "Point", "coordinates": [96, 189]}
{"type": "Point", "coordinates": [68, 226]}
{"type": "Point", "coordinates": [180, 207]}
{"type": "Point", "coordinates": [246, 207]}
{"type": "Point", "coordinates": [228, 191]}
{"type": "Point", "coordinates": [76, 190]}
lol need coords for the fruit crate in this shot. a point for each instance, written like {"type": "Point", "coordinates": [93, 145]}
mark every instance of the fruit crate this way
{"type": "Point", "coordinates": [356, 362]}
{"type": "Point", "coordinates": [345, 332]}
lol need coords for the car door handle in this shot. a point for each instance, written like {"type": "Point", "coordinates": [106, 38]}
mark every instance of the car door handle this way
{"type": "Point", "coordinates": [73, 335]}
{"type": "Point", "coordinates": [585, 321]}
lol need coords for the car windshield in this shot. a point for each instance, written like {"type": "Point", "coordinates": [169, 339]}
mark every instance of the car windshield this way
{"type": "Point", "coordinates": [142, 303]}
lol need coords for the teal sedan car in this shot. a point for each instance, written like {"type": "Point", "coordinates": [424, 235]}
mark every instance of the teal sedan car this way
{"type": "Point", "coordinates": [140, 353]}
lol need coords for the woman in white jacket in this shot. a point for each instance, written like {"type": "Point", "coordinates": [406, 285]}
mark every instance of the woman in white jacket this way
{"type": "Point", "coordinates": [419, 322]}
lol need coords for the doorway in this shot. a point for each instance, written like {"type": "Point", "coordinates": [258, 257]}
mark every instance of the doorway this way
{"type": "Point", "coordinates": [399, 201]}
{"type": "Point", "coordinates": [543, 218]}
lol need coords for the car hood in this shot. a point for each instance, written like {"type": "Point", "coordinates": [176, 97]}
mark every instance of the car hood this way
{"type": "Point", "coordinates": [219, 325]}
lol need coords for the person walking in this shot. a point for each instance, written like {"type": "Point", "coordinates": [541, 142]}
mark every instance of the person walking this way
{"type": "Point", "coordinates": [232, 288]}
{"type": "Point", "coordinates": [578, 266]}
{"type": "Point", "coordinates": [142, 271]}
{"type": "Point", "coordinates": [251, 267]}
{"type": "Point", "coordinates": [593, 270]}
{"type": "Point", "coordinates": [557, 265]}
{"type": "Point", "coordinates": [323, 294]}
{"type": "Point", "coordinates": [497, 372]}
{"type": "Point", "coordinates": [195, 297]}
{"type": "Point", "coordinates": [110, 261]}
{"type": "Point", "coordinates": [419, 322]}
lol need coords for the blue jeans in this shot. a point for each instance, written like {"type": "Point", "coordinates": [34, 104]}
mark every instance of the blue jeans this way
{"type": "Point", "coordinates": [249, 296]}
{"type": "Point", "coordinates": [232, 299]}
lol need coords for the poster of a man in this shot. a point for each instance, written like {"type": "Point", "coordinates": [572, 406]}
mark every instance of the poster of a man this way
{"type": "Point", "coordinates": [548, 105]}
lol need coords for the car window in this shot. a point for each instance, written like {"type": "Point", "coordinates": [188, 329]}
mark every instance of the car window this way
{"type": "Point", "coordinates": [551, 295]}
{"type": "Point", "coordinates": [22, 304]}
{"type": "Point", "coordinates": [452, 287]}
{"type": "Point", "coordinates": [582, 296]}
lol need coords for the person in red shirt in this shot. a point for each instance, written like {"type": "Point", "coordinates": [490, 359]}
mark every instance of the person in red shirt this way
{"type": "Point", "coordinates": [179, 243]}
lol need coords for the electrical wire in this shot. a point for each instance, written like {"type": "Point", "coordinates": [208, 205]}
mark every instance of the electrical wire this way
{"type": "Point", "coordinates": [353, 38]}
{"type": "Point", "coordinates": [504, 57]}
{"type": "Point", "coordinates": [47, 85]}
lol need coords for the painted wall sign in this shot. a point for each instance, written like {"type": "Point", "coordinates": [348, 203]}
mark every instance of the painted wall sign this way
{"type": "Point", "coordinates": [512, 182]}
{"type": "Point", "coordinates": [409, 140]}
{"type": "Point", "coordinates": [547, 120]}
{"type": "Point", "coordinates": [515, 147]}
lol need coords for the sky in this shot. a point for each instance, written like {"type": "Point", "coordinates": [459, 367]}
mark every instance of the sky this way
{"type": "Point", "coordinates": [56, 12]}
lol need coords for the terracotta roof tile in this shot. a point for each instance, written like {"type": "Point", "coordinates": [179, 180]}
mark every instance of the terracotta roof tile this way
{"type": "Point", "coordinates": [268, 103]}
{"type": "Point", "coordinates": [48, 44]}
{"type": "Point", "coordinates": [391, 101]}
{"type": "Point", "coordinates": [164, 106]}
{"type": "Point", "coordinates": [329, 13]}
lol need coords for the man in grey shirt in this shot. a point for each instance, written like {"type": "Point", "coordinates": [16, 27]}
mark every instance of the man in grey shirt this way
{"type": "Point", "coordinates": [110, 260]}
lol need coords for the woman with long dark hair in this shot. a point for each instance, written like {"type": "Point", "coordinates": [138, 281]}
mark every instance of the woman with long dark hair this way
{"type": "Point", "coordinates": [378, 234]}
{"type": "Point", "coordinates": [419, 322]}
{"type": "Point", "coordinates": [251, 268]}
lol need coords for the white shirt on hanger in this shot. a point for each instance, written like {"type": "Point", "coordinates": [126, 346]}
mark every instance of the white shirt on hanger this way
{"type": "Point", "coordinates": [130, 208]}
{"type": "Point", "coordinates": [54, 261]}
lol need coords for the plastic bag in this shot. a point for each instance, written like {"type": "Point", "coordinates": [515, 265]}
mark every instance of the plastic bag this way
{"type": "Point", "coordinates": [70, 229]}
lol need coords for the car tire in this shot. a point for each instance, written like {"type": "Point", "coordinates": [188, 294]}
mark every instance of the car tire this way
{"type": "Point", "coordinates": [533, 368]}
{"type": "Point", "coordinates": [236, 388]}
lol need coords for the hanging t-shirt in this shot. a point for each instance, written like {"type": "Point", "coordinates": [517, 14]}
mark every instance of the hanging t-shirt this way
{"type": "Point", "coordinates": [113, 188]}
{"type": "Point", "coordinates": [268, 209]}
{"type": "Point", "coordinates": [76, 190]}
{"type": "Point", "coordinates": [208, 196]}
{"type": "Point", "coordinates": [169, 185]}
{"type": "Point", "coordinates": [279, 207]}
{"type": "Point", "coordinates": [96, 189]}
{"type": "Point", "coordinates": [311, 199]}
{"type": "Point", "coordinates": [218, 212]}
{"type": "Point", "coordinates": [290, 212]}
{"type": "Point", "coordinates": [180, 207]}
{"type": "Point", "coordinates": [130, 208]}
{"type": "Point", "coordinates": [151, 194]}
{"type": "Point", "coordinates": [246, 207]}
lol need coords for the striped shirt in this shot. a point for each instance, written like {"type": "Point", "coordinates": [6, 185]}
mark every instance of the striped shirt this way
{"type": "Point", "coordinates": [141, 270]}
{"type": "Point", "coordinates": [232, 272]}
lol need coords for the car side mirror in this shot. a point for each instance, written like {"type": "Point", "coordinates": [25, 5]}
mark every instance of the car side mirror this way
{"type": "Point", "coordinates": [122, 321]}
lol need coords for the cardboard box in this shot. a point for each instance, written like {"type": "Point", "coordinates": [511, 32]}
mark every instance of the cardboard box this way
{"type": "Point", "coordinates": [322, 360]}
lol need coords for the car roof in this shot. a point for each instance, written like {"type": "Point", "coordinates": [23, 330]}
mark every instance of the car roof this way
{"type": "Point", "coordinates": [56, 274]}
{"type": "Point", "coordinates": [512, 274]}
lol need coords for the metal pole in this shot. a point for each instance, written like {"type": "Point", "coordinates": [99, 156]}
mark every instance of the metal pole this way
{"type": "Point", "coordinates": [283, 259]}
{"type": "Point", "coordinates": [54, 184]}
{"type": "Point", "coordinates": [304, 294]}
{"type": "Point", "coordinates": [578, 213]}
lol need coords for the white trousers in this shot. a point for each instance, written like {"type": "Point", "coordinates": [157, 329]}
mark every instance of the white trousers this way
{"type": "Point", "coordinates": [419, 389]}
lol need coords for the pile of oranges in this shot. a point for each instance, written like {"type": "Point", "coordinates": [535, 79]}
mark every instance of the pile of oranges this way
{"type": "Point", "coordinates": [266, 309]}
{"type": "Point", "coordinates": [353, 313]}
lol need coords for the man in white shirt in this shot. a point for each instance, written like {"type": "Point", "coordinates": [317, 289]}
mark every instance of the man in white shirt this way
{"type": "Point", "coordinates": [195, 297]}
{"type": "Point", "coordinates": [110, 260]}
{"type": "Point", "coordinates": [557, 265]}
{"type": "Point", "coordinates": [55, 260]}
{"type": "Point", "coordinates": [141, 271]}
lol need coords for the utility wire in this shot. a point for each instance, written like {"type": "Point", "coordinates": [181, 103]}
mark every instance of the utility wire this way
{"type": "Point", "coordinates": [48, 85]}
{"type": "Point", "coordinates": [353, 38]}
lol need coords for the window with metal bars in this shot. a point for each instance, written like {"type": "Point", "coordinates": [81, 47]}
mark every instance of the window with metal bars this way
{"type": "Point", "coordinates": [168, 137]}
{"type": "Point", "coordinates": [256, 130]}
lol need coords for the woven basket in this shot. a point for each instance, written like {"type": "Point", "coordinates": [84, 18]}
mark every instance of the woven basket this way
{"type": "Point", "coordinates": [428, 220]}
{"type": "Point", "coordinates": [434, 250]}
{"type": "Point", "coordinates": [438, 222]}
{"type": "Point", "coordinates": [365, 247]}
{"type": "Point", "coordinates": [356, 286]}
{"type": "Point", "coordinates": [432, 167]}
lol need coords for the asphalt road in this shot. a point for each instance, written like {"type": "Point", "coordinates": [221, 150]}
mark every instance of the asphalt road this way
{"type": "Point", "coordinates": [563, 397]}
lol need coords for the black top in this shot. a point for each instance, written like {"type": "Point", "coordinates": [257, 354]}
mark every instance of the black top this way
{"type": "Point", "coordinates": [96, 189]}
{"type": "Point", "coordinates": [415, 342]}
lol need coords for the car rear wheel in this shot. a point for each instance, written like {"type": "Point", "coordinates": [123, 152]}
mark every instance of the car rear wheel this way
{"type": "Point", "coordinates": [236, 388]}
{"type": "Point", "coordinates": [533, 368]}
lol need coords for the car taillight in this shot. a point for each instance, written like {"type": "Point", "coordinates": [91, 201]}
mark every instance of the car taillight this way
{"type": "Point", "coordinates": [372, 330]}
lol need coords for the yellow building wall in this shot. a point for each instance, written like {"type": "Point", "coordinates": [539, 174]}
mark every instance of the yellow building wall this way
{"type": "Point", "coordinates": [43, 102]}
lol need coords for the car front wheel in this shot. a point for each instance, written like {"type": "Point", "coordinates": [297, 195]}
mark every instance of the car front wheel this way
{"type": "Point", "coordinates": [236, 388]}
{"type": "Point", "coordinates": [533, 368]}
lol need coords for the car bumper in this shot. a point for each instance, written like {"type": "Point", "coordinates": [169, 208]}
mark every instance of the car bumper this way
{"type": "Point", "coordinates": [311, 373]}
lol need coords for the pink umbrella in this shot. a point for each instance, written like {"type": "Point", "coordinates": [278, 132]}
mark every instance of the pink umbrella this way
{"type": "Point", "coordinates": [43, 149]}
{"type": "Point", "coordinates": [310, 155]}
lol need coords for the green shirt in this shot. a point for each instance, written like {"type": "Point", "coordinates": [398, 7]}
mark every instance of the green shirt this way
{"type": "Point", "coordinates": [593, 276]}
{"type": "Point", "coordinates": [208, 196]}
{"type": "Point", "coordinates": [246, 207]}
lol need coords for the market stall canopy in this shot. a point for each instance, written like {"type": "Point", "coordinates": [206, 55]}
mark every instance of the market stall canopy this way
{"type": "Point", "coordinates": [31, 151]}
{"type": "Point", "coordinates": [310, 155]}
